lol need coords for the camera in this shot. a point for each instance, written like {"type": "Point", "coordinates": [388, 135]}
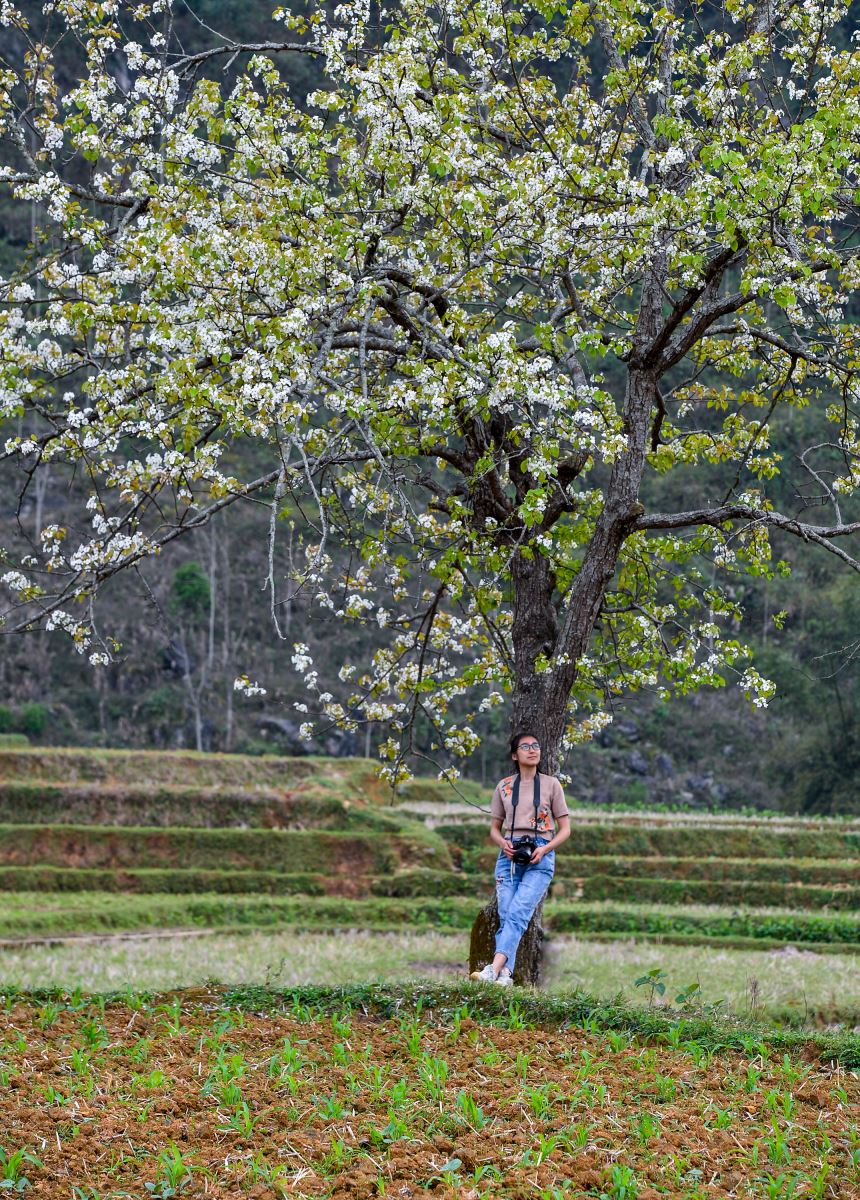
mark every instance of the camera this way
{"type": "Point", "coordinates": [524, 848]}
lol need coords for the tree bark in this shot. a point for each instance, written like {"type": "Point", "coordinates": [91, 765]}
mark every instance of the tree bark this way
{"type": "Point", "coordinates": [482, 947]}
{"type": "Point", "coordinates": [534, 633]}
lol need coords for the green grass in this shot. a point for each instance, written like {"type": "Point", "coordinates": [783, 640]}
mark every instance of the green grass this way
{"type": "Point", "coordinates": [359, 874]}
{"type": "Point", "coordinates": [44, 913]}
{"type": "Point", "coordinates": [778, 925]}
{"type": "Point", "coordinates": [13, 741]}
{"type": "Point", "coordinates": [312, 851]}
{"type": "Point", "coordinates": [352, 779]}
{"type": "Point", "coordinates": [727, 891]}
{"type": "Point", "coordinates": [672, 841]}
{"type": "Point", "coordinates": [185, 806]}
{"type": "Point", "coordinates": [764, 870]}
{"type": "Point", "coordinates": [124, 880]}
{"type": "Point", "coordinates": [171, 767]}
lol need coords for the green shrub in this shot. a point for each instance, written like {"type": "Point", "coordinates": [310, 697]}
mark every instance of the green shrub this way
{"type": "Point", "coordinates": [190, 592]}
{"type": "Point", "coordinates": [33, 719]}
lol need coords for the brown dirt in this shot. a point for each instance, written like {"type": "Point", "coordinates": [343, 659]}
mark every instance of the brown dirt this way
{"type": "Point", "coordinates": [142, 1081]}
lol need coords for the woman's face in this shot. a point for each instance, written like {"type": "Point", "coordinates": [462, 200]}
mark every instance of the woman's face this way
{"type": "Point", "coordinates": [528, 752]}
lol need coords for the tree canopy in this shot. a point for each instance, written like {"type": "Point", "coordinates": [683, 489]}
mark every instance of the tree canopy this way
{"type": "Point", "coordinates": [502, 268]}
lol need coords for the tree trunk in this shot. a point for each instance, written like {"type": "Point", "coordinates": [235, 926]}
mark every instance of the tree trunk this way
{"type": "Point", "coordinates": [534, 633]}
{"type": "Point", "coordinates": [483, 944]}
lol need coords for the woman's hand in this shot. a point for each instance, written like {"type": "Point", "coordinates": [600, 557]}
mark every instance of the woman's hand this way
{"type": "Point", "coordinates": [537, 855]}
{"type": "Point", "coordinates": [507, 848]}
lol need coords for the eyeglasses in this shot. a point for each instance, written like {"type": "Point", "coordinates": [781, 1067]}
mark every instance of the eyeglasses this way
{"type": "Point", "coordinates": [529, 746]}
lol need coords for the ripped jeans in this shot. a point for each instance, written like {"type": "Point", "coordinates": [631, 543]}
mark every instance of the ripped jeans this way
{"type": "Point", "coordinates": [519, 891]}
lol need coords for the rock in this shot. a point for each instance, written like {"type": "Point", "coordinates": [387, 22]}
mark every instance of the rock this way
{"type": "Point", "coordinates": [664, 764]}
{"type": "Point", "coordinates": [285, 732]}
{"type": "Point", "coordinates": [343, 744]}
{"type": "Point", "coordinates": [483, 944]}
{"type": "Point", "coordinates": [628, 730]}
{"type": "Point", "coordinates": [176, 658]}
{"type": "Point", "coordinates": [637, 762]}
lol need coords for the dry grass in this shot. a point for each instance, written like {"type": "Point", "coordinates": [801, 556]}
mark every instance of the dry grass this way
{"type": "Point", "coordinates": [767, 981]}
{"type": "Point", "coordinates": [284, 959]}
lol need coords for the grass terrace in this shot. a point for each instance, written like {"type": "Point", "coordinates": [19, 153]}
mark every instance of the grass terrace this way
{"type": "Point", "coordinates": [220, 860]}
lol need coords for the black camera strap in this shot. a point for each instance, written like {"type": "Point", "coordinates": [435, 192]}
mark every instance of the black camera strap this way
{"type": "Point", "coordinates": [515, 799]}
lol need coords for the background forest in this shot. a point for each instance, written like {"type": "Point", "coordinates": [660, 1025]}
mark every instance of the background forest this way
{"type": "Point", "coordinates": [192, 620]}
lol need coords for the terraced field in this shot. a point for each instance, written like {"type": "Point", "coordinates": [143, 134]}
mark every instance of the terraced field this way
{"type": "Point", "coordinates": [109, 842]}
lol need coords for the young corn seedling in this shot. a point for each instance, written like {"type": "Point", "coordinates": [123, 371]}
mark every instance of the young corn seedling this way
{"type": "Point", "coordinates": [240, 1121]}
{"type": "Point", "coordinates": [457, 1019]}
{"type": "Point", "coordinates": [486, 1171]}
{"type": "Point", "coordinates": [155, 1079]}
{"type": "Point", "coordinates": [521, 1064]}
{"type": "Point", "coordinates": [330, 1108]}
{"type": "Point", "coordinates": [175, 1173]}
{"type": "Point", "coordinates": [777, 1144]}
{"type": "Point", "coordinates": [547, 1143]}
{"type": "Point", "coordinates": [470, 1113]}
{"type": "Point", "coordinates": [171, 1023]}
{"type": "Point", "coordinates": [781, 1187]}
{"type": "Point", "coordinates": [95, 1035]}
{"type": "Point", "coordinates": [341, 1024]}
{"type": "Point", "coordinates": [334, 1161]}
{"type": "Point", "coordinates": [396, 1129]}
{"type": "Point", "coordinates": [721, 1118]}
{"type": "Point", "coordinates": [48, 1015]}
{"type": "Point", "coordinates": [412, 1036]}
{"type": "Point", "coordinates": [229, 1094]}
{"type": "Point", "coordinates": [753, 1075]}
{"type": "Point", "coordinates": [515, 1018]}
{"type": "Point", "coordinates": [141, 1051]}
{"type": "Point", "coordinates": [667, 1088]}
{"type": "Point", "coordinates": [375, 1080]}
{"type": "Point", "coordinates": [647, 1126]}
{"type": "Point", "coordinates": [540, 1099]}
{"type": "Point", "coordinates": [622, 1184]}
{"type": "Point", "coordinates": [433, 1073]}
{"type": "Point", "coordinates": [261, 1172]}
{"type": "Point", "coordinates": [13, 1164]}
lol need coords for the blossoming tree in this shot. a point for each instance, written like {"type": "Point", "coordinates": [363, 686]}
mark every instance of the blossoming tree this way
{"type": "Point", "coordinates": [503, 267]}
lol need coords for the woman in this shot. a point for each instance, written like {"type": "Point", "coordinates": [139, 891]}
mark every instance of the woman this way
{"type": "Point", "coordinates": [531, 806]}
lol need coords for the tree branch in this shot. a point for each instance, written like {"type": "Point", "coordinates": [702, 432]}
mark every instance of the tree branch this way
{"type": "Point", "coordinates": [822, 535]}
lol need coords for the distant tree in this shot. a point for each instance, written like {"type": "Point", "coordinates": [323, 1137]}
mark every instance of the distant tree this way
{"type": "Point", "coordinates": [503, 268]}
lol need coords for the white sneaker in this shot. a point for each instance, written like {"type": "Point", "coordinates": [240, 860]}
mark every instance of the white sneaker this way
{"type": "Point", "coordinates": [504, 978]}
{"type": "Point", "coordinates": [486, 975]}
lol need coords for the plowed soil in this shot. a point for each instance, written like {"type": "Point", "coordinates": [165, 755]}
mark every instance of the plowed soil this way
{"type": "Point", "coordinates": [186, 1094]}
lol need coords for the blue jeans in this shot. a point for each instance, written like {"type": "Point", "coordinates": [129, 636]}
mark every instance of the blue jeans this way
{"type": "Point", "coordinates": [519, 891]}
